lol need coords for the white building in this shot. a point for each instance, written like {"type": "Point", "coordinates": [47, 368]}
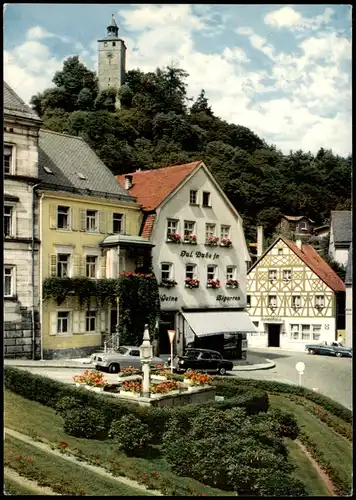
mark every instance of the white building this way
{"type": "Point", "coordinates": [294, 297]}
{"type": "Point", "coordinates": [21, 243]}
{"type": "Point", "coordinates": [340, 235]}
{"type": "Point", "coordinates": [348, 312]}
{"type": "Point", "coordinates": [200, 255]}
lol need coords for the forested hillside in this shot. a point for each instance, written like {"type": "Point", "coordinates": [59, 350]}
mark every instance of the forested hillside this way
{"type": "Point", "coordinates": [159, 125]}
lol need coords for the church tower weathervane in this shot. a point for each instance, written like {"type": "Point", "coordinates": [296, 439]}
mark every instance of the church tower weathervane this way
{"type": "Point", "coordinates": [111, 58]}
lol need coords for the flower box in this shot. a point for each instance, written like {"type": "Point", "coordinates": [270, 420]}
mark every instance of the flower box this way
{"type": "Point", "coordinates": [123, 378]}
{"type": "Point", "coordinates": [232, 284]}
{"type": "Point", "coordinates": [193, 388]}
{"type": "Point", "coordinates": [213, 284]}
{"type": "Point", "coordinates": [191, 283]}
{"type": "Point", "coordinates": [212, 241]}
{"type": "Point", "coordinates": [226, 242]}
{"type": "Point", "coordinates": [174, 237]}
{"type": "Point", "coordinates": [191, 239]}
{"type": "Point", "coordinates": [130, 394]}
{"type": "Point", "coordinates": [94, 389]}
{"type": "Point", "coordinates": [167, 283]}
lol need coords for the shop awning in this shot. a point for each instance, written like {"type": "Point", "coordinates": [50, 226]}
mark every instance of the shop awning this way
{"type": "Point", "coordinates": [208, 323]}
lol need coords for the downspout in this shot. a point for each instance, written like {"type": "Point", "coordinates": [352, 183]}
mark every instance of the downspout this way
{"type": "Point", "coordinates": [33, 325]}
{"type": "Point", "coordinates": [40, 216]}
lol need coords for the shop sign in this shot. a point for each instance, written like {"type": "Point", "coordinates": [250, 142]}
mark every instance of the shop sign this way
{"type": "Point", "coordinates": [168, 298]}
{"type": "Point", "coordinates": [199, 255]}
{"type": "Point", "coordinates": [223, 298]}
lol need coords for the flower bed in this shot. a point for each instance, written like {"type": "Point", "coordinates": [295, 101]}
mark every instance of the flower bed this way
{"type": "Point", "coordinates": [130, 370]}
{"type": "Point", "coordinates": [197, 379]}
{"type": "Point", "coordinates": [134, 388]}
{"type": "Point", "coordinates": [91, 378]}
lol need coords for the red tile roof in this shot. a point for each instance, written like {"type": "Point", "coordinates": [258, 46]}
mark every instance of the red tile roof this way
{"type": "Point", "coordinates": [151, 187]}
{"type": "Point", "coordinates": [147, 226]}
{"type": "Point", "coordinates": [317, 264]}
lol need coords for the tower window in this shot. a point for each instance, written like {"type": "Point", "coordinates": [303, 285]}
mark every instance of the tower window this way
{"type": "Point", "coordinates": [105, 44]}
{"type": "Point", "coordinates": [114, 44]}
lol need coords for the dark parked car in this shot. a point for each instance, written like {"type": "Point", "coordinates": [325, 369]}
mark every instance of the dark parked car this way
{"type": "Point", "coordinates": [203, 360]}
{"type": "Point", "coordinates": [332, 349]}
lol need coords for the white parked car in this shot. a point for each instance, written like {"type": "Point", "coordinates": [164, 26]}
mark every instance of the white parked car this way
{"type": "Point", "coordinates": [124, 357]}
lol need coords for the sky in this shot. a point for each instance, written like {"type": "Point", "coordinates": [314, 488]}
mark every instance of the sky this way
{"type": "Point", "coordinates": [282, 70]}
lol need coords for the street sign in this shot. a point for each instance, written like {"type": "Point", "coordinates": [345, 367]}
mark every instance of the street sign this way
{"type": "Point", "coordinates": [300, 367]}
{"type": "Point", "coordinates": [171, 334]}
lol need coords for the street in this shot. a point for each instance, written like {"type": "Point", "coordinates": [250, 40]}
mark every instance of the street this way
{"type": "Point", "coordinates": [331, 376]}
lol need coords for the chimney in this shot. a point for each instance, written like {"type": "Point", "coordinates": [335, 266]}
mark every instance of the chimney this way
{"type": "Point", "coordinates": [299, 244]}
{"type": "Point", "coordinates": [259, 241]}
{"type": "Point", "coordinates": [128, 181]}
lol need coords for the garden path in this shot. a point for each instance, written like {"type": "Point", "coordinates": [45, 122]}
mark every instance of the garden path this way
{"type": "Point", "coordinates": [92, 468]}
{"type": "Point", "coordinates": [324, 477]}
{"type": "Point", "coordinates": [32, 485]}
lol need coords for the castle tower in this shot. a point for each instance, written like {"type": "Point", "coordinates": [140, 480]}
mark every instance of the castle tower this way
{"type": "Point", "coordinates": [111, 58]}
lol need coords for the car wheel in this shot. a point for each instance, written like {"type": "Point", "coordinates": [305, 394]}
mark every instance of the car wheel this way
{"type": "Point", "coordinates": [338, 354]}
{"type": "Point", "coordinates": [222, 370]}
{"type": "Point", "coordinates": [311, 351]}
{"type": "Point", "coordinates": [114, 368]}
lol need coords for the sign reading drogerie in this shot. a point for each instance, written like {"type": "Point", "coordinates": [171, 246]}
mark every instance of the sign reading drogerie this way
{"type": "Point", "coordinates": [199, 255]}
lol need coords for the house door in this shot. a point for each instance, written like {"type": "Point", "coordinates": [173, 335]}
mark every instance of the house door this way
{"type": "Point", "coordinates": [274, 332]}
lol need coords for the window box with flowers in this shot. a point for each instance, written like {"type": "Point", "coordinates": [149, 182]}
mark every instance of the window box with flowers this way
{"type": "Point", "coordinates": [226, 242]}
{"type": "Point", "coordinates": [232, 284]}
{"type": "Point", "coordinates": [191, 283]}
{"type": "Point", "coordinates": [191, 239]}
{"type": "Point", "coordinates": [174, 237]}
{"type": "Point", "coordinates": [92, 380]}
{"type": "Point", "coordinates": [168, 283]}
{"type": "Point", "coordinates": [213, 241]}
{"type": "Point", "coordinates": [213, 284]}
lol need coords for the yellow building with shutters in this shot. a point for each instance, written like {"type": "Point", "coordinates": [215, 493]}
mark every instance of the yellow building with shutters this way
{"type": "Point", "coordinates": [85, 216]}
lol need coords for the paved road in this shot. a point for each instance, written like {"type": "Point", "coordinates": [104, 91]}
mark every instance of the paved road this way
{"type": "Point", "coordinates": [331, 376]}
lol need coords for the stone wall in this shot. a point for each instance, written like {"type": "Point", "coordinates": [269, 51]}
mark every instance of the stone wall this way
{"type": "Point", "coordinates": [18, 342]}
{"type": "Point", "coordinates": [75, 352]}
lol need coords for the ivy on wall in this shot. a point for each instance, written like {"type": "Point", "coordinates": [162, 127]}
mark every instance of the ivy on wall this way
{"type": "Point", "coordinates": [137, 294]}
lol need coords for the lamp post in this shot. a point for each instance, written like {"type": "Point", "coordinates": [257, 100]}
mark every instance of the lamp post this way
{"type": "Point", "coordinates": [146, 358]}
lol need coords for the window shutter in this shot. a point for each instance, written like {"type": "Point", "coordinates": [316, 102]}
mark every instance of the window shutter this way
{"type": "Point", "coordinates": [53, 265]}
{"type": "Point", "coordinates": [102, 222]}
{"type": "Point", "coordinates": [53, 323]}
{"type": "Point", "coordinates": [110, 224]}
{"type": "Point", "coordinates": [82, 322]}
{"type": "Point", "coordinates": [123, 224]}
{"type": "Point", "coordinates": [77, 265]}
{"type": "Point", "coordinates": [102, 321]}
{"type": "Point", "coordinates": [53, 216]}
{"type": "Point", "coordinates": [103, 266]}
{"type": "Point", "coordinates": [75, 215]}
{"type": "Point", "coordinates": [82, 219]}
{"type": "Point", "coordinates": [75, 322]}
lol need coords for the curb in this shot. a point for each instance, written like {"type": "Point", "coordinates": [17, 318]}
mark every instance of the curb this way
{"type": "Point", "coordinates": [262, 366]}
{"type": "Point", "coordinates": [39, 364]}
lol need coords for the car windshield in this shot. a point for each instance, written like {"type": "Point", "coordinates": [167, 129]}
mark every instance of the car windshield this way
{"type": "Point", "coordinates": [123, 350]}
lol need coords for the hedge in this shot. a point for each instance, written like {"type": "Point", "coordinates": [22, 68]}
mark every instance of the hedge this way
{"type": "Point", "coordinates": [50, 393]}
{"type": "Point", "coordinates": [228, 385]}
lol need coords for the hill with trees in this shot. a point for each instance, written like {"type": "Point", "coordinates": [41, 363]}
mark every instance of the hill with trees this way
{"type": "Point", "coordinates": [158, 124]}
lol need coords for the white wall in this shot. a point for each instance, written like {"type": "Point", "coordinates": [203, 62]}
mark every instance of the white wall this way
{"type": "Point", "coordinates": [178, 207]}
{"type": "Point", "coordinates": [341, 255]}
{"type": "Point", "coordinates": [348, 311]}
{"type": "Point", "coordinates": [286, 342]}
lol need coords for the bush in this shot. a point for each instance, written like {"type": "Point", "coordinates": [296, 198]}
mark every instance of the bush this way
{"type": "Point", "coordinates": [89, 424]}
{"type": "Point", "coordinates": [130, 433]}
{"type": "Point", "coordinates": [285, 423]}
{"type": "Point", "coordinates": [224, 384]}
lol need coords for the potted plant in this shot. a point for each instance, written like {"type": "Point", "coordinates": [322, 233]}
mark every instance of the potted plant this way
{"type": "Point", "coordinates": [213, 284]}
{"type": "Point", "coordinates": [174, 237]}
{"type": "Point", "coordinates": [232, 284]}
{"type": "Point", "coordinates": [94, 380]}
{"type": "Point", "coordinates": [197, 379]}
{"type": "Point", "coordinates": [191, 283]}
{"type": "Point", "coordinates": [190, 238]}
{"type": "Point", "coordinates": [226, 242]}
{"type": "Point", "coordinates": [168, 283]}
{"type": "Point", "coordinates": [212, 241]}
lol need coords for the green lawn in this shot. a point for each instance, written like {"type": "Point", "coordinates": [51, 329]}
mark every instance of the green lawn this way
{"type": "Point", "coordinates": [305, 472]}
{"type": "Point", "coordinates": [335, 449]}
{"type": "Point", "coordinates": [43, 424]}
{"type": "Point", "coordinates": [62, 476]}
{"type": "Point", "coordinates": [14, 487]}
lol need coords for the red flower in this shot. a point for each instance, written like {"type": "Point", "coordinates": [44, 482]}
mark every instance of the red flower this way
{"type": "Point", "coordinates": [29, 460]}
{"type": "Point", "coordinates": [63, 444]}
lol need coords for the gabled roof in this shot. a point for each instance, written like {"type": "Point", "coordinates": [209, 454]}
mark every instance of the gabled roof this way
{"type": "Point", "coordinates": [14, 105]}
{"type": "Point", "coordinates": [151, 187]}
{"type": "Point", "coordinates": [75, 166]}
{"type": "Point", "coordinates": [296, 218]}
{"type": "Point", "coordinates": [341, 224]}
{"type": "Point", "coordinates": [313, 260]}
{"type": "Point", "coordinates": [348, 277]}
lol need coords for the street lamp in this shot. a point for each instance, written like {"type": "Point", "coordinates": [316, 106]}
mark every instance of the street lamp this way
{"type": "Point", "coordinates": [146, 355]}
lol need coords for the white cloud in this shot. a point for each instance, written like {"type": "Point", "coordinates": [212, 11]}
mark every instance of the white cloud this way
{"type": "Point", "coordinates": [306, 102]}
{"type": "Point", "coordinates": [38, 33]}
{"type": "Point", "coordinates": [286, 17]}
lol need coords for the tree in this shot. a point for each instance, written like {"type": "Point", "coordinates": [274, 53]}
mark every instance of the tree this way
{"type": "Point", "coordinates": [201, 105]}
{"type": "Point", "coordinates": [106, 100]}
